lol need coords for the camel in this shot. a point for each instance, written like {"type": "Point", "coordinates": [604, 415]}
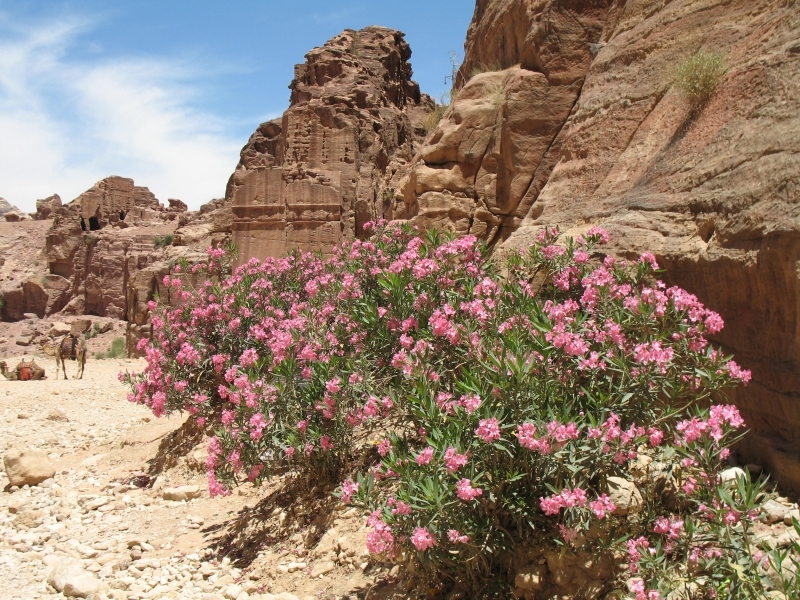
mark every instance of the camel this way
{"type": "Point", "coordinates": [24, 371]}
{"type": "Point", "coordinates": [72, 348]}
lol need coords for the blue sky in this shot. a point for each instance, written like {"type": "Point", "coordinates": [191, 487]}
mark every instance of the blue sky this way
{"type": "Point", "coordinates": [168, 91]}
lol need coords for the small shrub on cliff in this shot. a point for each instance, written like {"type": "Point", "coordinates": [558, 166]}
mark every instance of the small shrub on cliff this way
{"type": "Point", "coordinates": [432, 119]}
{"type": "Point", "coordinates": [698, 76]}
{"type": "Point", "coordinates": [162, 241]}
{"type": "Point", "coordinates": [483, 68]}
{"type": "Point", "coordinates": [472, 414]}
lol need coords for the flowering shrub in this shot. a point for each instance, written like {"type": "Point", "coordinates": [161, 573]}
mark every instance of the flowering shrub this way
{"type": "Point", "coordinates": [484, 410]}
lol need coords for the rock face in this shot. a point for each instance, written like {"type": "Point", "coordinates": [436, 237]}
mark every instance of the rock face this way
{"type": "Point", "coordinates": [319, 173]}
{"type": "Point", "coordinates": [481, 169]}
{"type": "Point", "coordinates": [46, 207]}
{"type": "Point", "coordinates": [585, 127]}
{"type": "Point", "coordinates": [98, 241]}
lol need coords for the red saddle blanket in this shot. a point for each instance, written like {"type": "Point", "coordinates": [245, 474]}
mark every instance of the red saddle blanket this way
{"type": "Point", "coordinates": [69, 348]}
{"type": "Point", "coordinates": [25, 373]}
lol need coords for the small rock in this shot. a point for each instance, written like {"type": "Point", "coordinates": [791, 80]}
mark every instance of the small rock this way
{"type": "Point", "coordinates": [625, 496]}
{"type": "Point", "coordinates": [97, 503]}
{"type": "Point", "coordinates": [787, 538]}
{"type": "Point", "coordinates": [86, 551]}
{"type": "Point", "coordinates": [24, 340]}
{"type": "Point", "coordinates": [774, 512]}
{"type": "Point", "coordinates": [16, 505]}
{"type": "Point", "coordinates": [29, 519]}
{"type": "Point", "coordinates": [51, 560]}
{"type": "Point", "coordinates": [58, 329]}
{"type": "Point", "coordinates": [64, 570]}
{"type": "Point", "coordinates": [27, 467]}
{"type": "Point", "coordinates": [57, 414]}
{"type": "Point", "coordinates": [322, 568]}
{"type": "Point", "coordinates": [296, 566]}
{"type": "Point", "coordinates": [23, 416]}
{"type": "Point", "coordinates": [232, 592]}
{"type": "Point", "coordinates": [730, 476]}
{"type": "Point", "coordinates": [182, 493]}
{"type": "Point", "coordinates": [792, 514]}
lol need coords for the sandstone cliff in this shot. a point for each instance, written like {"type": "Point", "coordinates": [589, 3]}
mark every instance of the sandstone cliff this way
{"type": "Point", "coordinates": [317, 174]}
{"type": "Point", "coordinates": [584, 126]}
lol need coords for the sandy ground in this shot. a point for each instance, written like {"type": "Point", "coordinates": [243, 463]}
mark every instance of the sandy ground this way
{"type": "Point", "coordinates": [134, 543]}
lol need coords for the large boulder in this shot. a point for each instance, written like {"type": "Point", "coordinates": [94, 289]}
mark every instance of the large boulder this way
{"type": "Point", "coordinates": [27, 467]}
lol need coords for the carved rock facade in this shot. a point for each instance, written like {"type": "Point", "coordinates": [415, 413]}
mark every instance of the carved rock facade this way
{"type": "Point", "coordinates": [316, 175]}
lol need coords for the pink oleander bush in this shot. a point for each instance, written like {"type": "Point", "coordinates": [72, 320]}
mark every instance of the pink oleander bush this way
{"type": "Point", "coordinates": [471, 409]}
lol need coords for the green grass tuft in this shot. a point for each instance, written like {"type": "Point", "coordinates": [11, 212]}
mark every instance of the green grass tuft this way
{"type": "Point", "coordinates": [698, 76]}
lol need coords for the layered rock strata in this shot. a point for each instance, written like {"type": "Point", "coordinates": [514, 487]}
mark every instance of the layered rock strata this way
{"type": "Point", "coordinates": [316, 175]}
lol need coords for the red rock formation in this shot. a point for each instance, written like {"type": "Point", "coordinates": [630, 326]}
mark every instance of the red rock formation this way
{"type": "Point", "coordinates": [316, 175]}
{"type": "Point", "coordinates": [46, 206]}
{"type": "Point", "coordinates": [99, 240]}
{"type": "Point", "coordinates": [714, 193]}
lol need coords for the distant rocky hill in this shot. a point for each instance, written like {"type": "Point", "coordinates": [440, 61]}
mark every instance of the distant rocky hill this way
{"type": "Point", "coordinates": [6, 206]}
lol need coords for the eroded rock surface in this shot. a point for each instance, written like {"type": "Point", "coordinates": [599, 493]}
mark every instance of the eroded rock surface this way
{"type": "Point", "coordinates": [316, 175]}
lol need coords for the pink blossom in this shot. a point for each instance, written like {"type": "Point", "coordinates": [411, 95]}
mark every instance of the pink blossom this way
{"type": "Point", "coordinates": [656, 436]}
{"type": "Point", "coordinates": [215, 488]}
{"type": "Point", "coordinates": [248, 357]}
{"type": "Point", "coordinates": [456, 538]}
{"type": "Point", "coordinates": [602, 506]}
{"type": "Point", "coordinates": [380, 539]}
{"type": "Point", "coordinates": [453, 461]}
{"type": "Point", "coordinates": [466, 492]}
{"type": "Point", "coordinates": [470, 402]}
{"type": "Point", "coordinates": [424, 457]}
{"type": "Point", "coordinates": [568, 533]}
{"type": "Point", "coordinates": [384, 447]}
{"type": "Point", "coordinates": [422, 539]}
{"type": "Point", "coordinates": [349, 488]}
{"type": "Point", "coordinates": [599, 233]}
{"type": "Point", "coordinates": [333, 386]}
{"type": "Point", "coordinates": [648, 259]}
{"type": "Point", "coordinates": [738, 373]}
{"type": "Point", "coordinates": [665, 526]}
{"type": "Point", "coordinates": [488, 430]}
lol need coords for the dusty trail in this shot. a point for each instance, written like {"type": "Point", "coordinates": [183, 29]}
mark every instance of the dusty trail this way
{"type": "Point", "coordinates": [133, 543]}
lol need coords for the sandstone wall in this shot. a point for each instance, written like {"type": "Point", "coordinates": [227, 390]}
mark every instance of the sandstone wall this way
{"type": "Point", "coordinates": [585, 127]}
{"type": "Point", "coordinates": [319, 173]}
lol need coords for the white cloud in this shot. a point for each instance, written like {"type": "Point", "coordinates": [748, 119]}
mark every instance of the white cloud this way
{"type": "Point", "coordinates": [67, 122]}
